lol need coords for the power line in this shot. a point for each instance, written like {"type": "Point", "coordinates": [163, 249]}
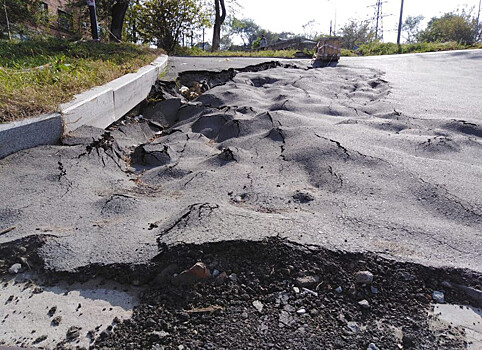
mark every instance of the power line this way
{"type": "Point", "coordinates": [378, 19]}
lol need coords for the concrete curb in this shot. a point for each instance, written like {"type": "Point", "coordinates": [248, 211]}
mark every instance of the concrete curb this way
{"type": "Point", "coordinates": [99, 106]}
{"type": "Point", "coordinates": [44, 130]}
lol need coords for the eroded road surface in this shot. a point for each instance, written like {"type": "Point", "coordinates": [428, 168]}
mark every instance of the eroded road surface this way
{"type": "Point", "coordinates": [378, 155]}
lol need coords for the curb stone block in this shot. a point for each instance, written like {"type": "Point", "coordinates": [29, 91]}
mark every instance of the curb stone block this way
{"type": "Point", "coordinates": [44, 130]}
{"type": "Point", "coordinates": [98, 107]}
{"type": "Point", "coordinates": [94, 107]}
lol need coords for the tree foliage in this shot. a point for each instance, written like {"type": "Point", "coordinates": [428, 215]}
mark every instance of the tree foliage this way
{"type": "Point", "coordinates": [17, 15]}
{"type": "Point", "coordinates": [246, 29]}
{"type": "Point", "coordinates": [456, 26]}
{"type": "Point", "coordinates": [356, 33]}
{"type": "Point", "coordinates": [411, 28]}
{"type": "Point", "coordinates": [164, 21]}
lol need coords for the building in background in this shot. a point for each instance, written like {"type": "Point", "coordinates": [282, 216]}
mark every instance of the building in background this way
{"type": "Point", "coordinates": [62, 19]}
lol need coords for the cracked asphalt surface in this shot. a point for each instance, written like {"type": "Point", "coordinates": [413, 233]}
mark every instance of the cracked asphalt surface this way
{"type": "Point", "coordinates": [380, 154]}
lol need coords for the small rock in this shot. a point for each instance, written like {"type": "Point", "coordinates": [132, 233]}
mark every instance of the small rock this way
{"type": "Point", "coordinates": [184, 90]}
{"type": "Point", "coordinates": [216, 273]}
{"type": "Point", "coordinates": [14, 269]}
{"type": "Point", "coordinates": [447, 284]}
{"type": "Point", "coordinates": [307, 281]}
{"type": "Point", "coordinates": [473, 293]}
{"type": "Point", "coordinates": [301, 311]}
{"type": "Point", "coordinates": [438, 297]}
{"type": "Point", "coordinates": [285, 319]}
{"type": "Point", "coordinates": [289, 308]}
{"type": "Point", "coordinates": [374, 290]}
{"type": "Point", "coordinates": [73, 333]}
{"type": "Point", "coordinates": [339, 290]}
{"type": "Point", "coordinates": [40, 339]}
{"type": "Point", "coordinates": [364, 304]}
{"type": "Point", "coordinates": [195, 274]}
{"type": "Point", "coordinates": [56, 320]}
{"type": "Point", "coordinates": [52, 311]}
{"type": "Point", "coordinates": [352, 290]}
{"type": "Point", "coordinates": [233, 277]}
{"type": "Point", "coordinates": [353, 326]}
{"type": "Point", "coordinates": [38, 290]}
{"type": "Point", "coordinates": [157, 336]}
{"type": "Point", "coordinates": [314, 312]}
{"type": "Point", "coordinates": [364, 277]}
{"type": "Point", "coordinates": [309, 291]}
{"type": "Point", "coordinates": [244, 315]}
{"type": "Point", "coordinates": [372, 346]}
{"type": "Point", "coordinates": [296, 290]}
{"type": "Point", "coordinates": [258, 305]}
{"type": "Point", "coordinates": [221, 278]}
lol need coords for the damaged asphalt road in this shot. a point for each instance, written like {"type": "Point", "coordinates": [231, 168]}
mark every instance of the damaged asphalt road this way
{"type": "Point", "coordinates": [377, 155]}
{"type": "Point", "coordinates": [326, 157]}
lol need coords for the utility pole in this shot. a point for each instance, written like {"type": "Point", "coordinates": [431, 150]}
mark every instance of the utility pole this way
{"type": "Point", "coordinates": [333, 28]}
{"type": "Point", "coordinates": [204, 32]}
{"type": "Point", "coordinates": [93, 20]}
{"type": "Point", "coordinates": [400, 24]}
{"type": "Point", "coordinates": [378, 18]}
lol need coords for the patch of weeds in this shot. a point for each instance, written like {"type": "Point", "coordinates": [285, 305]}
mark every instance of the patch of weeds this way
{"type": "Point", "coordinates": [36, 76]}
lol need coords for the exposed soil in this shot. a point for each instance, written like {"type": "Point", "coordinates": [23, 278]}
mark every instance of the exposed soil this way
{"type": "Point", "coordinates": [219, 313]}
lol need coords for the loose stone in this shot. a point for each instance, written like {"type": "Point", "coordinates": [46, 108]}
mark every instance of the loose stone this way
{"type": "Point", "coordinates": [364, 277]}
{"type": "Point", "coordinates": [14, 269]}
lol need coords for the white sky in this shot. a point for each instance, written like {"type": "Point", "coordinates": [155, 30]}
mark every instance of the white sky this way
{"type": "Point", "coordinates": [278, 16]}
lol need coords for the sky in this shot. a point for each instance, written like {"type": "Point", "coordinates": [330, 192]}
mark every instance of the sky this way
{"type": "Point", "coordinates": [279, 16]}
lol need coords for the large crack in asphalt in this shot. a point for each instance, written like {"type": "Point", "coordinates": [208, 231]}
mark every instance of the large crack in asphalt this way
{"type": "Point", "coordinates": [266, 172]}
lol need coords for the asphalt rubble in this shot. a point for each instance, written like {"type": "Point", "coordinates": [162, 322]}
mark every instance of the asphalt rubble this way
{"type": "Point", "coordinates": [275, 294]}
{"type": "Point", "coordinates": [269, 294]}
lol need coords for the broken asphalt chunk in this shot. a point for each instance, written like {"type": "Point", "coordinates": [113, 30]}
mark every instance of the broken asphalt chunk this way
{"type": "Point", "coordinates": [196, 273]}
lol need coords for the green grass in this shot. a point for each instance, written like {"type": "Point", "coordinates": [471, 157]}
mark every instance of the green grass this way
{"type": "Point", "coordinates": [375, 49]}
{"type": "Point", "coordinates": [36, 76]}
{"type": "Point", "coordinates": [371, 49]}
{"type": "Point", "coordinates": [265, 53]}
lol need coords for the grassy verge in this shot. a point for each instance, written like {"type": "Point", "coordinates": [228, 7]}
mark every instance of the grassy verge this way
{"type": "Point", "coordinates": [265, 53]}
{"type": "Point", "coordinates": [36, 76]}
{"type": "Point", "coordinates": [374, 49]}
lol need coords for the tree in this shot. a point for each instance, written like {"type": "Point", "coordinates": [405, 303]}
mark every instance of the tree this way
{"type": "Point", "coordinates": [118, 12]}
{"type": "Point", "coordinates": [310, 29]}
{"type": "Point", "coordinates": [163, 21]}
{"type": "Point", "coordinates": [130, 29]}
{"type": "Point", "coordinates": [411, 28]}
{"type": "Point", "coordinates": [246, 29]}
{"type": "Point", "coordinates": [16, 15]}
{"type": "Point", "coordinates": [453, 26]}
{"type": "Point", "coordinates": [356, 33]}
{"type": "Point", "coordinates": [220, 16]}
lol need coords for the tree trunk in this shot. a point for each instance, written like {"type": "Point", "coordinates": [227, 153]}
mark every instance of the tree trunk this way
{"type": "Point", "coordinates": [118, 12]}
{"type": "Point", "coordinates": [6, 19]}
{"type": "Point", "coordinates": [218, 22]}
